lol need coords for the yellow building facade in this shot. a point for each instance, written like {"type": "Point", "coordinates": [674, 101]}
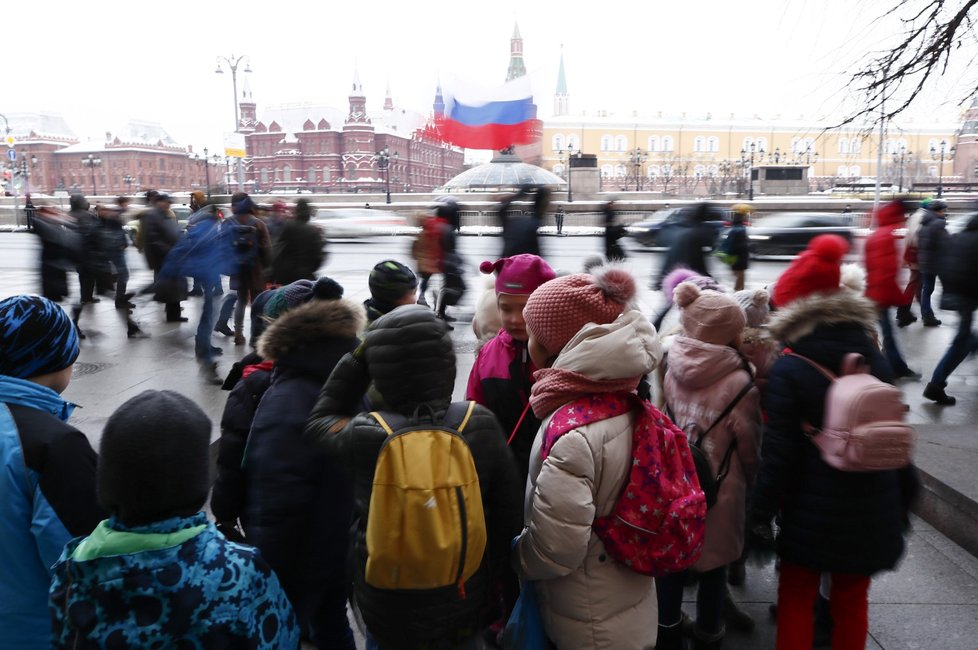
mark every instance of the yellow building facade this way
{"type": "Point", "coordinates": [707, 155]}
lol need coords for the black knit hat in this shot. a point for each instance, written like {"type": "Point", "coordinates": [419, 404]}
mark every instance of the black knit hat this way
{"type": "Point", "coordinates": [36, 337]}
{"type": "Point", "coordinates": [389, 282]}
{"type": "Point", "coordinates": [153, 458]}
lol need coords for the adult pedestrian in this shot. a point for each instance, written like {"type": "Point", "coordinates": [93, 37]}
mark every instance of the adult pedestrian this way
{"type": "Point", "coordinates": [848, 524]}
{"type": "Point", "coordinates": [60, 251]}
{"type": "Point", "coordinates": [452, 264]}
{"type": "Point", "coordinates": [93, 262]}
{"type": "Point", "coordinates": [29, 212]}
{"type": "Point", "coordinates": [735, 249]}
{"type": "Point", "coordinates": [959, 277]}
{"type": "Point", "coordinates": [249, 247]}
{"type": "Point", "coordinates": [930, 241]}
{"type": "Point", "coordinates": [47, 487]}
{"type": "Point", "coordinates": [613, 232]}
{"type": "Point", "coordinates": [116, 242]}
{"type": "Point", "coordinates": [692, 238]}
{"type": "Point", "coordinates": [911, 290]}
{"type": "Point", "coordinates": [883, 263]}
{"type": "Point", "coordinates": [158, 233]}
{"type": "Point", "coordinates": [298, 251]}
{"type": "Point", "coordinates": [520, 231]}
{"type": "Point", "coordinates": [559, 219]}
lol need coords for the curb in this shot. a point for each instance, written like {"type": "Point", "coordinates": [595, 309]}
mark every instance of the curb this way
{"type": "Point", "coordinates": [949, 511]}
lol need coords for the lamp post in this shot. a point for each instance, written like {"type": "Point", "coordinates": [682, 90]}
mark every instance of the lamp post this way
{"type": "Point", "coordinates": [637, 158]}
{"type": "Point", "coordinates": [747, 159]}
{"type": "Point", "coordinates": [900, 158]}
{"type": "Point", "coordinates": [934, 154]}
{"type": "Point", "coordinates": [227, 174]}
{"type": "Point", "coordinates": [383, 158]}
{"type": "Point", "coordinates": [25, 171]}
{"type": "Point", "coordinates": [776, 156]}
{"type": "Point", "coordinates": [92, 161]}
{"type": "Point", "coordinates": [128, 180]}
{"type": "Point", "coordinates": [207, 174]}
{"type": "Point", "coordinates": [570, 151]}
{"type": "Point", "coordinates": [233, 62]}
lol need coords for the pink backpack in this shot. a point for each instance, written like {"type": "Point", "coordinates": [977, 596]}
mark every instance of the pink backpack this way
{"type": "Point", "coordinates": [863, 428]}
{"type": "Point", "coordinates": [657, 525]}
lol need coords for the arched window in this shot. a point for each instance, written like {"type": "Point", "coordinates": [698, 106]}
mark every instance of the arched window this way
{"type": "Point", "coordinates": [311, 175]}
{"type": "Point", "coordinates": [748, 141]}
{"type": "Point", "coordinates": [934, 144]}
{"type": "Point", "coordinates": [606, 143]}
{"type": "Point", "coordinates": [698, 144]}
{"type": "Point", "coordinates": [854, 170]}
{"type": "Point", "coordinates": [653, 143]}
{"type": "Point", "coordinates": [712, 170]}
{"type": "Point", "coordinates": [558, 142]}
{"type": "Point", "coordinates": [264, 175]}
{"type": "Point", "coordinates": [325, 174]}
{"type": "Point", "coordinates": [843, 171]}
{"type": "Point", "coordinates": [667, 170]}
{"type": "Point", "coordinates": [619, 171]}
{"type": "Point", "coordinates": [287, 174]}
{"type": "Point", "coordinates": [654, 171]}
{"type": "Point", "coordinates": [573, 143]}
{"type": "Point", "coordinates": [855, 146]}
{"type": "Point", "coordinates": [761, 144]}
{"type": "Point", "coordinates": [843, 145]}
{"type": "Point", "coordinates": [796, 146]}
{"type": "Point", "coordinates": [713, 144]}
{"type": "Point", "coordinates": [932, 171]}
{"type": "Point", "coordinates": [620, 143]}
{"type": "Point", "coordinates": [698, 171]}
{"type": "Point", "coordinates": [606, 171]}
{"type": "Point", "coordinates": [667, 143]}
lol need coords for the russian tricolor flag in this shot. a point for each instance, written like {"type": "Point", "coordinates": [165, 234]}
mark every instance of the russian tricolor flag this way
{"type": "Point", "coordinates": [489, 118]}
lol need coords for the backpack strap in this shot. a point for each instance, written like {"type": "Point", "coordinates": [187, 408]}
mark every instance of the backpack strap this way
{"type": "Point", "coordinates": [727, 411]}
{"type": "Point", "coordinates": [456, 417]}
{"type": "Point", "coordinates": [822, 369]}
{"type": "Point", "coordinates": [593, 408]}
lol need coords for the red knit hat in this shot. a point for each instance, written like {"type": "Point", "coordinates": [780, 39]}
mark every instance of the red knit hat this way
{"type": "Point", "coordinates": [559, 309]}
{"type": "Point", "coordinates": [816, 270]}
{"type": "Point", "coordinates": [519, 275]}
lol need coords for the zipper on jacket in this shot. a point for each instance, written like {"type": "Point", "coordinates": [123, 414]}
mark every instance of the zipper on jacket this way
{"type": "Point", "coordinates": [459, 581]}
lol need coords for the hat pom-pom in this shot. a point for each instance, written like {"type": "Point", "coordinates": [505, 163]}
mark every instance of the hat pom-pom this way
{"type": "Point", "coordinates": [760, 298]}
{"type": "Point", "coordinates": [487, 267]}
{"type": "Point", "coordinates": [616, 283]}
{"type": "Point", "coordinates": [830, 248]}
{"type": "Point", "coordinates": [327, 289]}
{"type": "Point", "coordinates": [685, 294]}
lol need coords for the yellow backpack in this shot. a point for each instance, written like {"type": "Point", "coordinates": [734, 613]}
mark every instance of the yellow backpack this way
{"type": "Point", "coordinates": [426, 527]}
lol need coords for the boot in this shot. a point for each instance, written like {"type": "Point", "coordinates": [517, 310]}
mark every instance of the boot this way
{"type": "Point", "coordinates": [905, 318]}
{"type": "Point", "coordinates": [222, 328]}
{"type": "Point", "coordinates": [823, 623]}
{"type": "Point", "coordinates": [737, 572]}
{"type": "Point", "coordinates": [133, 331]}
{"type": "Point", "coordinates": [736, 617]}
{"type": "Point", "coordinates": [239, 338]}
{"type": "Point", "coordinates": [704, 641]}
{"type": "Point", "coordinates": [75, 315]}
{"type": "Point", "coordinates": [669, 638]}
{"type": "Point", "coordinates": [209, 372]}
{"type": "Point", "coordinates": [930, 321]}
{"type": "Point", "coordinates": [935, 392]}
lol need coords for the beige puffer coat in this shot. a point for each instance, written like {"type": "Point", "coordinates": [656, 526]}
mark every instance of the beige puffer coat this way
{"type": "Point", "coordinates": [588, 600]}
{"type": "Point", "coordinates": [702, 379]}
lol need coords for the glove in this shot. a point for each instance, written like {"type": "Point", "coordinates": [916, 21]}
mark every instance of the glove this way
{"type": "Point", "coordinates": [761, 547]}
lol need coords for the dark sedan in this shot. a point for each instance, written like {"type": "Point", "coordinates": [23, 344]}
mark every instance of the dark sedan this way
{"type": "Point", "coordinates": [788, 233]}
{"type": "Point", "coordinates": [660, 229]}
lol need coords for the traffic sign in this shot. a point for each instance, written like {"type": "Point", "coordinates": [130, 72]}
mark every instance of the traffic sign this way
{"type": "Point", "coordinates": [10, 140]}
{"type": "Point", "coordinates": [11, 154]}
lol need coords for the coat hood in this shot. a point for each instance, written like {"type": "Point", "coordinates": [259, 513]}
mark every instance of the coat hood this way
{"type": "Point", "coordinates": [627, 347]}
{"type": "Point", "coordinates": [306, 327]}
{"type": "Point", "coordinates": [698, 364]}
{"type": "Point", "coordinates": [802, 316]}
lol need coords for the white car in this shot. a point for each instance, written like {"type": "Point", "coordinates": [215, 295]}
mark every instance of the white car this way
{"type": "Point", "coordinates": [360, 222]}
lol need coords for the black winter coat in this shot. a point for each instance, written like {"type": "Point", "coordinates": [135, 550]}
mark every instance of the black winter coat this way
{"type": "Point", "coordinates": [410, 359]}
{"type": "Point", "coordinates": [848, 522]}
{"type": "Point", "coordinates": [931, 239]}
{"type": "Point", "coordinates": [297, 253]}
{"type": "Point", "coordinates": [959, 269]}
{"type": "Point", "coordinates": [297, 502]}
{"type": "Point", "coordinates": [687, 249]}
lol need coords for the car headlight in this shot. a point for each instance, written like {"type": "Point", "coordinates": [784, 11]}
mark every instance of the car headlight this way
{"type": "Point", "coordinates": [759, 237]}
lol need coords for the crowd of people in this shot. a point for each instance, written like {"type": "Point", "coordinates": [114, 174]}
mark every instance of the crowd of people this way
{"type": "Point", "coordinates": [540, 511]}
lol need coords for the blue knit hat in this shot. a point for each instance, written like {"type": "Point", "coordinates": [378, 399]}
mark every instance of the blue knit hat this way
{"type": "Point", "coordinates": [36, 337]}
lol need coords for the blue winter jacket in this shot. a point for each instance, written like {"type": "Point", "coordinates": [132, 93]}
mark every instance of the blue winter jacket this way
{"type": "Point", "coordinates": [177, 583]}
{"type": "Point", "coordinates": [202, 251]}
{"type": "Point", "coordinates": [47, 496]}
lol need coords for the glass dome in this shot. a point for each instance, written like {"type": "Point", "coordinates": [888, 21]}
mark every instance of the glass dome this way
{"type": "Point", "coordinates": [505, 172]}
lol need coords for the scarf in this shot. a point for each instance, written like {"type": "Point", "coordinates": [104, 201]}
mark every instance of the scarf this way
{"type": "Point", "coordinates": [554, 387]}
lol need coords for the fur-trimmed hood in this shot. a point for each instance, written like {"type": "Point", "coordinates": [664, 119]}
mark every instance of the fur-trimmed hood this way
{"type": "Point", "coordinates": [801, 317]}
{"type": "Point", "coordinates": [310, 325]}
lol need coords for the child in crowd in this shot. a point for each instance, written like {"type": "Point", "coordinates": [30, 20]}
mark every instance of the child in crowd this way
{"type": "Point", "coordinates": [756, 343]}
{"type": "Point", "coordinates": [392, 284]}
{"type": "Point", "coordinates": [588, 339]}
{"type": "Point", "coordinates": [849, 524]}
{"type": "Point", "coordinates": [409, 356]}
{"type": "Point", "coordinates": [710, 392]}
{"type": "Point", "coordinates": [502, 375]}
{"type": "Point", "coordinates": [47, 489]}
{"type": "Point", "coordinates": [157, 573]}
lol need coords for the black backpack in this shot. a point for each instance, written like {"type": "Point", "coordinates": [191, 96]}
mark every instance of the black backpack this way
{"type": "Point", "coordinates": [244, 241]}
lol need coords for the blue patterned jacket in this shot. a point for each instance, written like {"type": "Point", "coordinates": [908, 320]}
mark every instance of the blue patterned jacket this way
{"type": "Point", "coordinates": [173, 583]}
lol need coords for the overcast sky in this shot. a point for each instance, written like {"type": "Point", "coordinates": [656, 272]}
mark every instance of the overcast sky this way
{"type": "Point", "coordinates": [102, 63]}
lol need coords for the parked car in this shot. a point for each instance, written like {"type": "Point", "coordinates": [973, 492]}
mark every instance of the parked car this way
{"type": "Point", "coordinates": [957, 222]}
{"type": "Point", "coordinates": [355, 223]}
{"type": "Point", "coordinates": [661, 228]}
{"type": "Point", "coordinates": [788, 233]}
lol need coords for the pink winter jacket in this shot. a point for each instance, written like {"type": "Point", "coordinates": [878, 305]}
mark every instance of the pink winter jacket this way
{"type": "Point", "coordinates": [701, 380]}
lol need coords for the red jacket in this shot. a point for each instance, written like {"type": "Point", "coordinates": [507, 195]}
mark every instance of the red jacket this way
{"type": "Point", "coordinates": [883, 259]}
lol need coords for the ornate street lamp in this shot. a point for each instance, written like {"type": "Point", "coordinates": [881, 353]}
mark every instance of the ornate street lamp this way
{"type": "Point", "coordinates": [128, 180]}
{"type": "Point", "coordinates": [233, 62]}
{"type": "Point", "coordinates": [383, 159]}
{"type": "Point", "coordinates": [934, 154]}
{"type": "Point", "coordinates": [900, 158]}
{"type": "Point", "coordinates": [92, 161]}
{"type": "Point", "coordinates": [571, 152]}
{"type": "Point", "coordinates": [637, 158]}
{"type": "Point", "coordinates": [747, 159]}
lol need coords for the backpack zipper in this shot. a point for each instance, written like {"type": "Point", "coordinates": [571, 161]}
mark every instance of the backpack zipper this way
{"type": "Point", "coordinates": [460, 583]}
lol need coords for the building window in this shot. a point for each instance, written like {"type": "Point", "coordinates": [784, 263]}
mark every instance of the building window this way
{"type": "Point", "coordinates": [932, 172]}
{"type": "Point", "coordinates": [606, 143]}
{"type": "Point", "coordinates": [748, 141]}
{"type": "Point", "coordinates": [762, 144]}
{"type": "Point", "coordinates": [606, 171]}
{"type": "Point", "coordinates": [558, 142]}
{"type": "Point", "coordinates": [843, 145]}
{"type": "Point", "coordinates": [698, 171]}
{"type": "Point", "coordinates": [698, 144]}
{"type": "Point", "coordinates": [667, 143]}
{"type": "Point", "coordinates": [653, 171]}
{"type": "Point", "coordinates": [573, 143]}
{"type": "Point", "coordinates": [287, 174]}
{"type": "Point", "coordinates": [712, 170]}
{"type": "Point", "coordinates": [855, 146]}
{"type": "Point", "coordinates": [619, 171]}
{"type": "Point", "coordinates": [796, 145]}
{"type": "Point", "coordinates": [621, 144]}
{"type": "Point", "coordinates": [653, 143]}
{"type": "Point", "coordinates": [264, 175]}
{"type": "Point", "coordinates": [933, 144]}
{"type": "Point", "coordinates": [843, 171]}
{"type": "Point", "coordinates": [713, 144]}
{"type": "Point", "coordinates": [311, 175]}
{"type": "Point", "coordinates": [854, 171]}
{"type": "Point", "coordinates": [667, 170]}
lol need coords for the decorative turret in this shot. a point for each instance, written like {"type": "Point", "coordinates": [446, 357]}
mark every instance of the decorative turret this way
{"type": "Point", "coordinates": [516, 67]}
{"type": "Point", "coordinates": [439, 105]}
{"type": "Point", "coordinates": [561, 97]}
{"type": "Point", "coordinates": [388, 102]}
{"type": "Point", "coordinates": [248, 113]}
{"type": "Point", "coordinates": [358, 102]}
